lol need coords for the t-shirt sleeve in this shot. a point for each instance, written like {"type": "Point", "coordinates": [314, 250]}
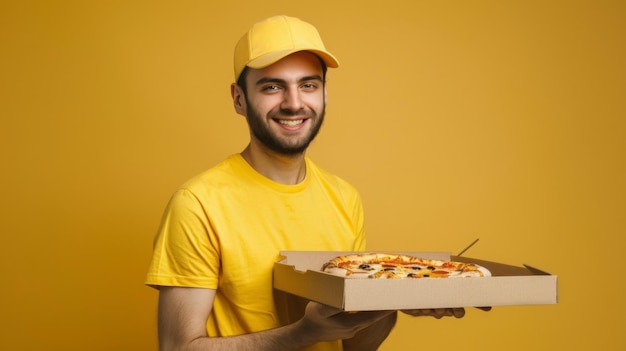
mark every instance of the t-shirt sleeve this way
{"type": "Point", "coordinates": [186, 252]}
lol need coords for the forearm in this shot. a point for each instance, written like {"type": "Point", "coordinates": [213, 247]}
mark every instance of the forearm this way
{"type": "Point", "coordinates": [183, 313]}
{"type": "Point", "coordinates": [371, 337]}
{"type": "Point", "coordinates": [287, 338]}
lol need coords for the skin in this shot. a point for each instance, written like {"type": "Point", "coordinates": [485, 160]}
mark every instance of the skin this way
{"type": "Point", "coordinates": [292, 91]}
{"type": "Point", "coordinates": [289, 90]}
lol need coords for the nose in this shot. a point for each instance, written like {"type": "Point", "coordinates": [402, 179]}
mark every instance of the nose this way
{"type": "Point", "coordinates": [292, 100]}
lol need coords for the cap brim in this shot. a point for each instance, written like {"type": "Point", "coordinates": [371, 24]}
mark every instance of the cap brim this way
{"type": "Point", "coordinates": [273, 57]}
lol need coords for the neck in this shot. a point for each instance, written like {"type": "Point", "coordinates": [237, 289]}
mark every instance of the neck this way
{"type": "Point", "coordinates": [284, 169]}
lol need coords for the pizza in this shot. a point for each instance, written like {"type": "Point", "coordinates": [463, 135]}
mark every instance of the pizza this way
{"type": "Point", "coordinates": [397, 266]}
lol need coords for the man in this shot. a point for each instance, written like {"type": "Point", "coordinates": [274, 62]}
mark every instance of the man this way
{"type": "Point", "coordinates": [223, 230]}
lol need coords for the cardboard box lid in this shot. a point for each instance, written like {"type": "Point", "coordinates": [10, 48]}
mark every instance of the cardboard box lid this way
{"type": "Point", "coordinates": [298, 273]}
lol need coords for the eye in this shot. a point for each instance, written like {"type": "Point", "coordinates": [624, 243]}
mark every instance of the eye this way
{"type": "Point", "coordinates": [309, 86]}
{"type": "Point", "coordinates": [271, 87]}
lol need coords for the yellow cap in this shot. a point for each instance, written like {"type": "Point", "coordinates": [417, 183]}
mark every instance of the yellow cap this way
{"type": "Point", "coordinates": [270, 40]}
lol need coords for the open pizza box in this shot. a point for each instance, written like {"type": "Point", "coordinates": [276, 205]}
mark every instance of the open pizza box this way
{"type": "Point", "coordinates": [298, 273]}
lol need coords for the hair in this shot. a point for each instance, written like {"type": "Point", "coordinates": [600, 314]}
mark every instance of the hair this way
{"type": "Point", "coordinates": [241, 81]}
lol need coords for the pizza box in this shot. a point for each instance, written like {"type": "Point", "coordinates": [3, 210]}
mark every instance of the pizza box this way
{"type": "Point", "coordinates": [298, 273]}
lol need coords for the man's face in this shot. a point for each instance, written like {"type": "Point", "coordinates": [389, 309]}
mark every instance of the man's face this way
{"type": "Point", "coordinates": [285, 103]}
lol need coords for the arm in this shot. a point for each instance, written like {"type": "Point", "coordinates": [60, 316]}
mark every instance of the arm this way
{"type": "Point", "coordinates": [183, 313]}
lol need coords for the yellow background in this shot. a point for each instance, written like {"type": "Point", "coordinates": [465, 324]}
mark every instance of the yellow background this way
{"type": "Point", "coordinates": [503, 120]}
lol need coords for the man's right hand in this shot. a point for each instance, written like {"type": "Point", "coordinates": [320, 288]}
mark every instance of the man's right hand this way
{"type": "Point", "coordinates": [324, 323]}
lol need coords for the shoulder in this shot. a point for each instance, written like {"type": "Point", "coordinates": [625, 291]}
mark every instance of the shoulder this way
{"type": "Point", "coordinates": [209, 184]}
{"type": "Point", "coordinates": [332, 182]}
{"type": "Point", "coordinates": [320, 173]}
{"type": "Point", "coordinates": [227, 171]}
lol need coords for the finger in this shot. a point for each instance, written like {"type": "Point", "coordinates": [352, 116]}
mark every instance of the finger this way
{"type": "Point", "coordinates": [417, 313]}
{"type": "Point", "coordinates": [458, 312]}
{"type": "Point", "coordinates": [439, 312]}
{"type": "Point", "coordinates": [414, 313]}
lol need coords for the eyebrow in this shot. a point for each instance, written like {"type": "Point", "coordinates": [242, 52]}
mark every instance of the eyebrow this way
{"type": "Point", "coordinates": [265, 80]}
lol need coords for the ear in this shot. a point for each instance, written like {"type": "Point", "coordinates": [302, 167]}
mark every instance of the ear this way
{"type": "Point", "coordinates": [239, 101]}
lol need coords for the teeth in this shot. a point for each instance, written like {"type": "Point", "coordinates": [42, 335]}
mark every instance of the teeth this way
{"type": "Point", "coordinates": [290, 122]}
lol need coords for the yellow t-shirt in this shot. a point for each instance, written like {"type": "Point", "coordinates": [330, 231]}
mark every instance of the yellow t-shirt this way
{"type": "Point", "coordinates": [224, 229]}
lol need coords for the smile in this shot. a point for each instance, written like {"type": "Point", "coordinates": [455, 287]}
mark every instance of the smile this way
{"type": "Point", "coordinates": [290, 122]}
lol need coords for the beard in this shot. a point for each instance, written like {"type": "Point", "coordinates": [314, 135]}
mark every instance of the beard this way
{"type": "Point", "coordinates": [270, 140]}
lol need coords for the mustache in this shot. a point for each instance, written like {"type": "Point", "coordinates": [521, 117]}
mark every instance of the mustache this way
{"type": "Point", "coordinates": [291, 113]}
